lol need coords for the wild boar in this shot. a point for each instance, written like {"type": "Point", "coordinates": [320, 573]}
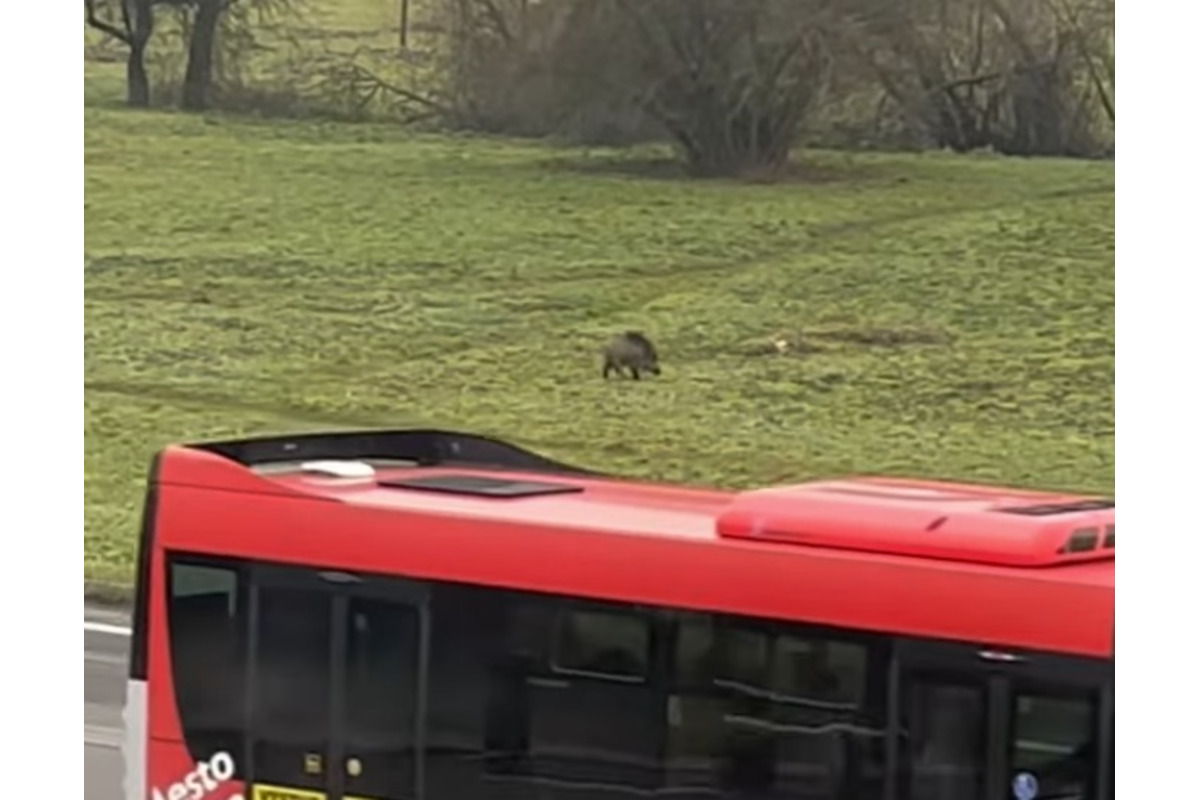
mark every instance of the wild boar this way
{"type": "Point", "coordinates": [630, 350]}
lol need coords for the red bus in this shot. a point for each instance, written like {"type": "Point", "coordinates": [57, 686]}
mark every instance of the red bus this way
{"type": "Point", "coordinates": [426, 615]}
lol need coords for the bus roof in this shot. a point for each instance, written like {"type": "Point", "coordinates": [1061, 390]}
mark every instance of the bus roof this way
{"type": "Point", "coordinates": [1017, 567]}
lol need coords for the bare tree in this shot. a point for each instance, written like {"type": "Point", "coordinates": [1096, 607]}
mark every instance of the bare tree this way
{"type": "Point", "coordinates": [130, 22]}
{"type": "Point", "coordinates": [498, 71]}
{"type": "Point", "coordinates": [198, 76]}
{"type": "Point", "coordinates": [732, 81]}
{"type": "Point", "coordinates": [204, 21]}
{"type": "Point", "coordinates": [1094, 25]}
{"type": "Point", "coordinates": [1003, 74]}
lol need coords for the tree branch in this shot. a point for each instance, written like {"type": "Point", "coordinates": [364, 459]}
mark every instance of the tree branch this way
{"type": "Point", "coordinates": [432, 105]}
{"type": "Point", "coordinates": [973, 80]}
{"type": "Point", "coordinates": [93, 19]}
{"type": "Point", "coordinates": [125, 18]}
{"type": "Point", "coordinates": [496, 17]}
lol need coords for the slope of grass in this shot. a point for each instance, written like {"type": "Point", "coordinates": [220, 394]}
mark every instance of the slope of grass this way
{"type": "Point", "coordinates": [945, 316]}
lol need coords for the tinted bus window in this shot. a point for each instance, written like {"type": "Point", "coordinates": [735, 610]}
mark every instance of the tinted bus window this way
{"type": "Point", "coordinates": [831, 738]}
{"type": "Point", "coordinates": [602, 644]}
{"type": "Point", "coordinates": [291, 697]}
{"type": "Point", "coordinates": [381, 658]}
{"type": "Point", "coordinates": [702, 754]}
{"type": "Point", "coordinates": [595, 718]}
{"type": "Point", "coordinates": [531, 695]}
{"type": "Point", "coordinates": [476, 715]}
{"type": "Point", "coordinates": [1110, 770]}
{"type": "Point", "coordinates": [207, 623]}
{"type": "Point", "coordinates": [944, 729]}
{"type": "Point", "coordinates": [771, 713]}
{"type": "Point", "coordinates": [1053, 739]}
{"type": "Point", "coordinates": [556, 697]}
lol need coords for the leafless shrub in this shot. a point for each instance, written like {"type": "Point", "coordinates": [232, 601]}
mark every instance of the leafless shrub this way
{"type": "Point", "coordinates": [1010, 75]}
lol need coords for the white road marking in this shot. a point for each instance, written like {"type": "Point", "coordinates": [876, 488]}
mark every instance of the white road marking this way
{"type": "Point", "coordinates": [111, 660]}
{"type": "Point", "coordinates": [96, 736]}
{"type": "Point", "coordinates": [102, 627]}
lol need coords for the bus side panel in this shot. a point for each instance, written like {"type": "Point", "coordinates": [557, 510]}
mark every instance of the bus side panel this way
{"type": "Point", "coordinates": [164, 714]}
{"type": "Point", "coordinates": [170, 764]}
{"type": "Point", "coordinates": [906, 596]}
{"type": "Point", "coordinates": [172, 767]}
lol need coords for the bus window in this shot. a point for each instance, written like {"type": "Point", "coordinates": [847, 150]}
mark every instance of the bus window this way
{"type": "Point", "coordinates": [594, 717]}
{"type": "Point", "coordinates": [822, 674]}
{"type": "Point", "coordinates": [694, 747]}
{"type": "Point", "coordinates": [716, 693]}
{"type": "Point", "coordinates": [538, 696]}
{"type": "Point", "coordinates": [477, 726]}
{"type": "Point", "coordinates": [292, 686]}
{"type": "Point", "coordinates": [695, 651]}
{"type": "Point", "coordinates": [772, 711]}
{"type": "Point", "coordinates": [382, 647]}
{"type": "Point", "coordinates": [207, 619]}
{"type": "Point", "coordinates": [601, 644]}
{"type": "Point", "coordinates": [1110, 770]}
{"type": "Point", "coordinates": [830, 743]}
{"type": "Point", "coordinates": [945, 728]}
{"type": "Point", "coordinates": [1053, 739]}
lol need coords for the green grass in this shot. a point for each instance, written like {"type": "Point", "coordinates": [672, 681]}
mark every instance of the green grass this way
{"type": "Point", "coordinates": [955, 314]}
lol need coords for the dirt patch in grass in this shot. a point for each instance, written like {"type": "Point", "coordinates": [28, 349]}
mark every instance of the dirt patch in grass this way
{"type": "Point", "coordinates": [881, 336]}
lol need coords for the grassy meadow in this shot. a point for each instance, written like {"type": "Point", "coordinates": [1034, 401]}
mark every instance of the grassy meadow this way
{"type": "Point", "coordinates": [944, 316]}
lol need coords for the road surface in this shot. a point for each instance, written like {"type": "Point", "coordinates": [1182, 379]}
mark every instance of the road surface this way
{"type": "Point", "coordinates": [104, 669]}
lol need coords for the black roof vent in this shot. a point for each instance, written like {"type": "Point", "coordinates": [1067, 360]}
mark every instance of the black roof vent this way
{"type": "Point", "coordinates": [427, 448]}
{"type": "Point", "coordinates": [1081, 541]}
{"type": "Point", "coordinates": [1050, 509]}
{"type": "Point", "coordinates": [480, 486]}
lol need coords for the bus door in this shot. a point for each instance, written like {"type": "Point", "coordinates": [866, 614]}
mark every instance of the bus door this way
{"type": "Point", "coordinates": [336, 686]}
{"type": "Point", "coordinates": [976, 723]}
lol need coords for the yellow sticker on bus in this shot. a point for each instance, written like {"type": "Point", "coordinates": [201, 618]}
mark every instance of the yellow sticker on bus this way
{"type": "Point", "coordinates": [264, 792]}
